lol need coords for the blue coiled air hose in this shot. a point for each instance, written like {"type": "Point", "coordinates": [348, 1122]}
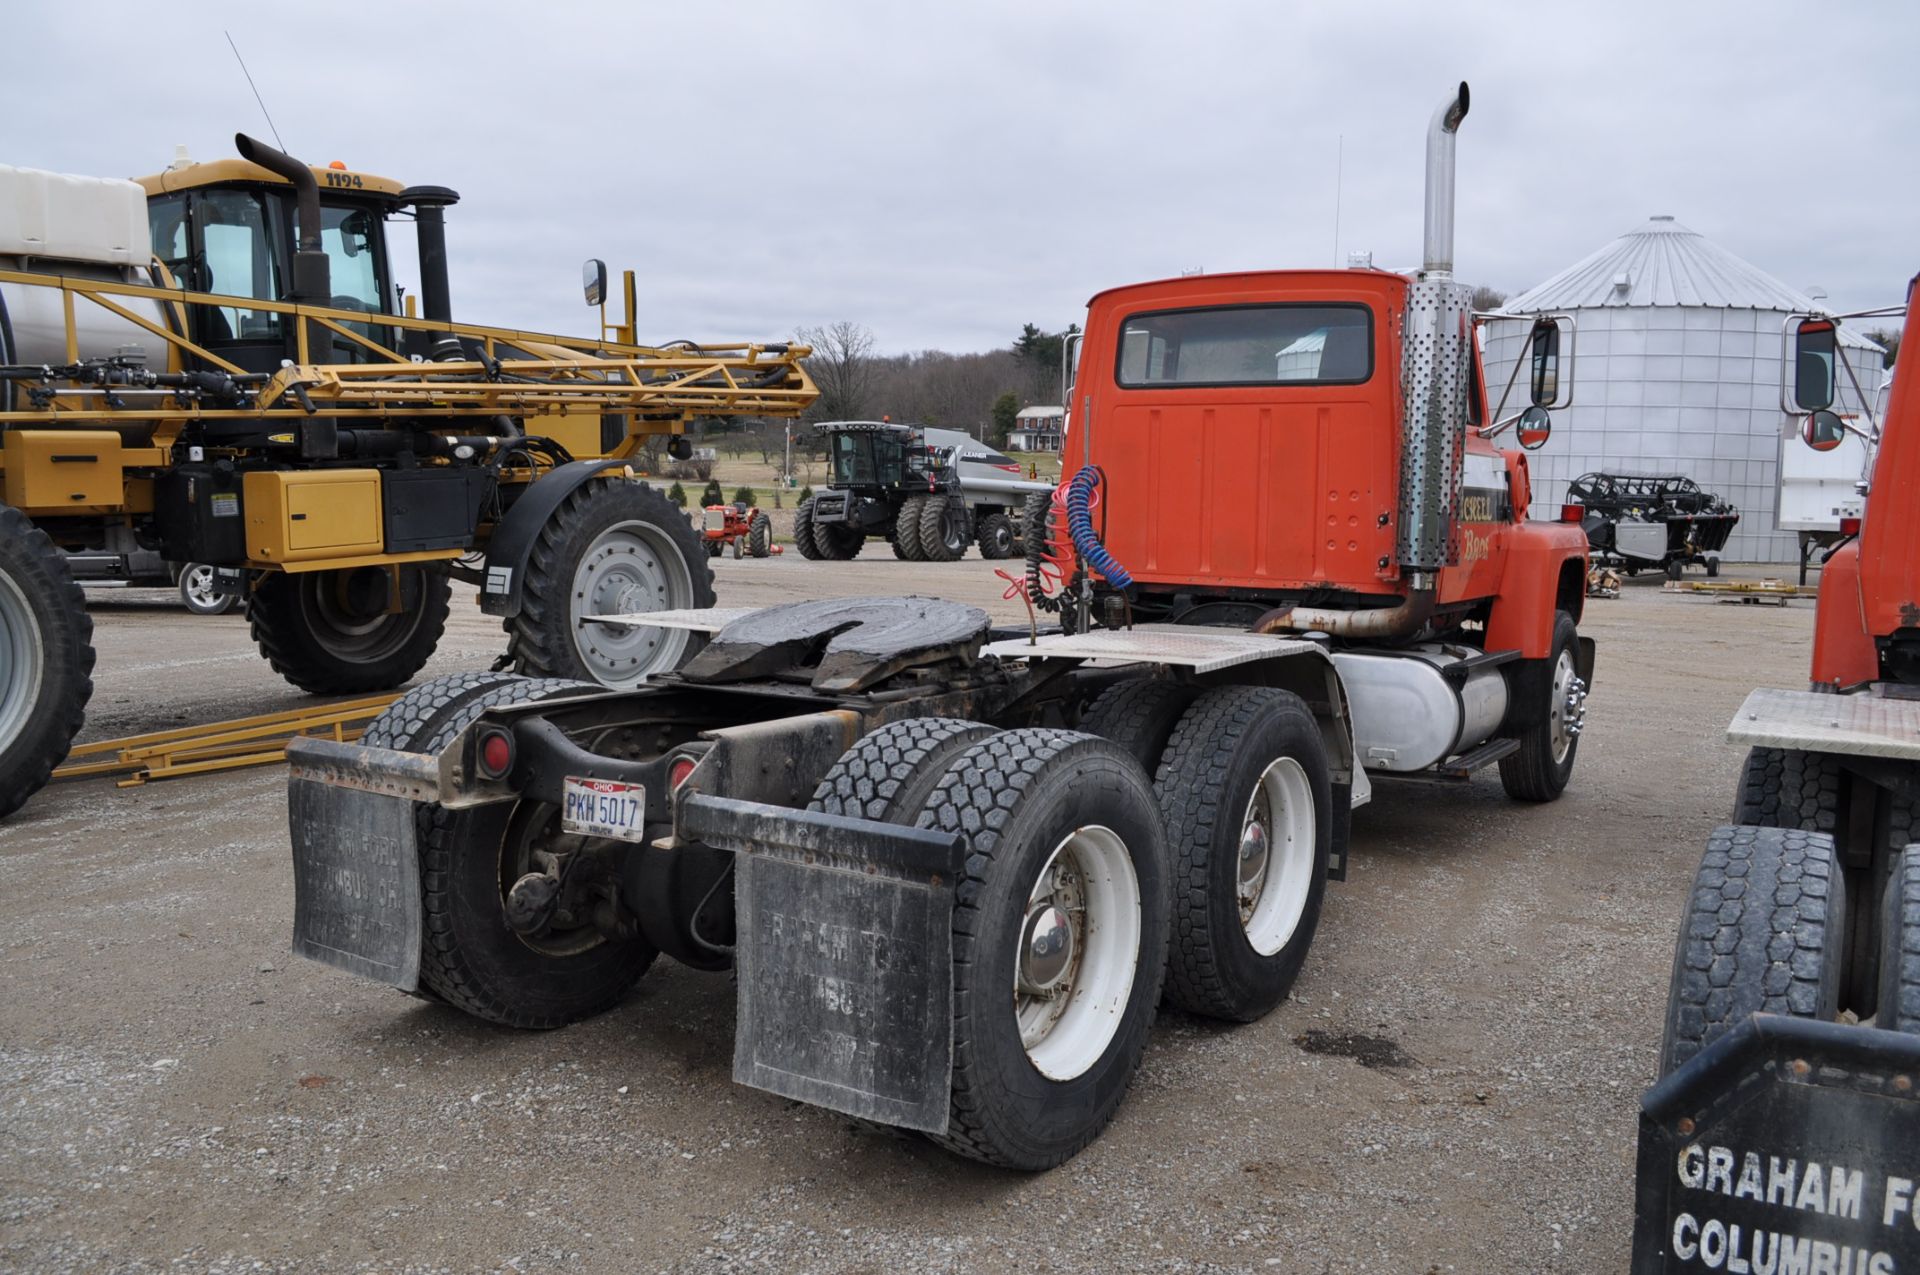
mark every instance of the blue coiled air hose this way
{"type": "Point", "coordinates": [1080, 527]}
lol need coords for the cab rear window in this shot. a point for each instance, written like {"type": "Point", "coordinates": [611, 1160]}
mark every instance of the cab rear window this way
{"type": "Point", "coordinates": [1247, 345]}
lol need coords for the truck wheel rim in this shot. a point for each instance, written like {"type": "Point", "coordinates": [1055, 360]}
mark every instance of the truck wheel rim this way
{"type": "Point", "coordinates": [1567, 710]}
{"type": "Point", "coordinates": [630, 567]}
{"type": "Point", "coordinates": [1275, 863]}
{"type": "Point", "coordinates": [197, 583]}
{"type": "Point", "coordinates": [22, 661]}
{"type": "Point", "coordinates": [1077, 952]}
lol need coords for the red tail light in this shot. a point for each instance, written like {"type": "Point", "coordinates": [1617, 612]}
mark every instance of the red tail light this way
{"type": "Point", "coordinates": [1849, 526]}
{"type": "Point", "coordinates": [494, 757]}
{"type": "Point", "coordinates": [1572, 513]}
{"type": "Point", "coordinates": [680, 771]}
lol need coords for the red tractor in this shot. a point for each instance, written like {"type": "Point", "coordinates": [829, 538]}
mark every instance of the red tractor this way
{"type": "Point", "coordinates": [737, 526]}
{"type": "Point", "coordinates": [1785, 1133]}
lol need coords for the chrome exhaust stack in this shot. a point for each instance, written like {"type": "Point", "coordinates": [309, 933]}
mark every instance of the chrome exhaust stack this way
{"type": "Point", "coordinates": [1437, 253]}
{"type": "Point", "coordinates": [1435, 355]}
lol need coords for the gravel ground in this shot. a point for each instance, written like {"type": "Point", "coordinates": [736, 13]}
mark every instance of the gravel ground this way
{"type": "Point", "coordinates": [1452, 1088]}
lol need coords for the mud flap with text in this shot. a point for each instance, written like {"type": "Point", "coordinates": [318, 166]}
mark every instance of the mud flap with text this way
{"type": "Point", "coordinates": [1786, 1146]}
{"type": "Point", "coordinates": [845, 962]}
{"type": "Point", "coordinates": [356, 881]}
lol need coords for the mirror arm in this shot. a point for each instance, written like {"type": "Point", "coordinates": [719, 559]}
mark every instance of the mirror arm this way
{"type": "Point", "coordinates": [1499, 427]}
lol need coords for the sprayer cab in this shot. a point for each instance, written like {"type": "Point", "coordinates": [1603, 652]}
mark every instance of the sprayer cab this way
{"type": "Point", "coordinates": [268, 226]}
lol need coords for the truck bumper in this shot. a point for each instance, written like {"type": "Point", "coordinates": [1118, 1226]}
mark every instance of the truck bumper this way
{"type": "Point", "coordinates": [1786, 1145]}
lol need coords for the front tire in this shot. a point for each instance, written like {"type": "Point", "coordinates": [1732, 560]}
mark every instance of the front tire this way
{"type": "Point", "coordinates": [337, 632]}
{"type": "Point", "coordinates": [1764, 932]}
{"type": "Point", "coordinates": [943, 529]}
{"type": "Point", "coordinates": [197, 593]}
{"type": "Point", "coordinates": [46, 658]}
{"type": "Point", "coordinates": [612, 547]}
{"type": "Point", "coordinates": [906, 529]}
{"type": "Point", "coordinates": [1552, 698]}
{"type": "Point", "coordinates": [996, 537]}
{"type": "Point", "coordinates": [1059, 940]}
{"type": "Point", "coordinates": [1244, 789]}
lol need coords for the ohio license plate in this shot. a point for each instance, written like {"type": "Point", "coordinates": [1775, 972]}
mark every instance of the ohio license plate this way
{"type": "Point", "coordinates": [604, 808]}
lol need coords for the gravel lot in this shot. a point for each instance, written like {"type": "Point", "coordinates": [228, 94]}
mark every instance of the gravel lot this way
{"type": "Point", "coordinates": [1453, 1087]}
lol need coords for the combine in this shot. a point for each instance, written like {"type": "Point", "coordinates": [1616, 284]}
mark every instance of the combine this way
{"type": "Point", "coordinates": [213, 365]}
{"type": "Point", "coordinates": [955, 866]}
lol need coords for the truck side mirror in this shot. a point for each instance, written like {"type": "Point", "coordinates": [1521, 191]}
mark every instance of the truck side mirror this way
{"type": "Point", "coordinates": [593, 278]}
{"type": "Point", "coordinates": [1814, 351]}
{"type": "Point", "coordinates": [1535, 428]}
{"type": "Point", "coordinates": [1823, 431]}
{"type": "Point", "coordinates": [1545, 344]}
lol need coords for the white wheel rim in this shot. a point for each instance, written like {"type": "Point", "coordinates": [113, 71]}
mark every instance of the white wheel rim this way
{"type": "Point", "coordinates": [1069, 1005]}
{"type": "Point", "coordinates": [197, 580]}
{"type": "Point", "coordinates": [1274, 867]}
{"type": "Point", "coordinates": [23, 660]}
{"type": "Point", "coordinates": [630, 567]}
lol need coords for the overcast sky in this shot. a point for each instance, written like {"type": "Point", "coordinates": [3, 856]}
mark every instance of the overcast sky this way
{"type": "Point", "coordinates": [944, 173]}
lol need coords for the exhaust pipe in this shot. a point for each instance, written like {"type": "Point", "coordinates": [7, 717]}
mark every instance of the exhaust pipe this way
{"type": "Point", "coordinates": [1381, 622]}
{"type": "Point", "coordinates": [312, 275]}
{"type": "Point", "coordinates": [430, 225]}
{"type": "Point", "coordinates": [1438, 251]}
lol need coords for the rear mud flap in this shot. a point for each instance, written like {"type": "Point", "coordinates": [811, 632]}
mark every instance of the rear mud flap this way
{"type": "Point", "coordinates": [356, 881]}
{"type": "Point", "coordinates": [844, 957]}
{"type": "Point", "coordinates": [1786, 1145]}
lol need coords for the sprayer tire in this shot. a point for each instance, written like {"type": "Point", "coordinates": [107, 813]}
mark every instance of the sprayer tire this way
{"type": "Point", "coordinates": [45, 631]}
{"type": "Point", "coordinates": [326, 641]}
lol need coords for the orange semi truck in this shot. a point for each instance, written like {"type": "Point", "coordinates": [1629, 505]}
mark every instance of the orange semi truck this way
{"type": "Point", "coordinates": [1784, 1135]}
{"type": "Point", "coordinates": [954, 865]}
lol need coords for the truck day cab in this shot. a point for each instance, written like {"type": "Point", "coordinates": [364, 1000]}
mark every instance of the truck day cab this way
{"type": "Point", "coordinates": [954, 866]}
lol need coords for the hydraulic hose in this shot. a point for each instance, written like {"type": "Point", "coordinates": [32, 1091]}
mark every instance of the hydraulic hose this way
{"type": "Point", "coordinates": [1080, 526]}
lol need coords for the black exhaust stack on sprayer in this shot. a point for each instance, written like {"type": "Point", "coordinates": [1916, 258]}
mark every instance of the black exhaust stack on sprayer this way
{"type": "Point", "coordinates": [430, 225]}
{"type": "Point", "coordinates": [312, 275]}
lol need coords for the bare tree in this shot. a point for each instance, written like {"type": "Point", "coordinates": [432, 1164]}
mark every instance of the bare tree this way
{"type": "Point", "coordinates": [1485, 298]}
{"type": "Point", "coordinates": [842, 366]}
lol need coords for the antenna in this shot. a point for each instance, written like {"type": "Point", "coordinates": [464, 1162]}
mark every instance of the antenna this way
{"type": "Point", "coordinates": [256, 90]}
{"type": "Point", "coordinates": [1339, 165]}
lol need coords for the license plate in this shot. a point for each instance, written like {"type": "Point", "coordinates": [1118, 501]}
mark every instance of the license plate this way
{"type": "Point", "coordinates": [604, 808]}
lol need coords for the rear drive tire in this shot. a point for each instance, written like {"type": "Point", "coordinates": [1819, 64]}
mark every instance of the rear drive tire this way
{"type": "Point", "coordinates": [1764, 932]}
{"type": "Point", "coordinates": [469, 958]}
{"type": "Point", "coordinates": [1059, 940]}
{"type": "Point", "coordinates": [760, 536]}
{"type": "Point", "coordinates": [803, 531]}
{"type": "Point", "coordinates": [197, 592]}
{"type": "Point", "coordinates": [46, 658]}
{"type": "Point", "coordinates": [1789, 788]}
{"type": "Point", "coordinates": [906, 529]}
{"type": "Point", "coordinates": [1553, 698]}
{"type": "Point", "coordinates": [613, 546]}
{"type": "Point", "coordinates": [996, 537]}
{"type": "Point", "coordinates": [334, 633]}
{"type": "Point", "coordinates": [1898, 1007]}
{"type": "Point", "coordinates": [1139, 714]}
{"type": "Point", "coordinates": [1244, 790]}
{"type": "Point", "coordinates": [889, 773]}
